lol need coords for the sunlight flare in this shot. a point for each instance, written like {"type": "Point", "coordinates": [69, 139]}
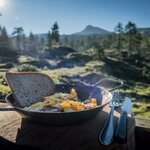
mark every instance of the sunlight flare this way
{"type": "Point", "coordinates": [1, 3]}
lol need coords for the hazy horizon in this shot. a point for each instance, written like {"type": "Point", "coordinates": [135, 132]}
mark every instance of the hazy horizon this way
{"type": "Point", "coordinates": [72, 16]}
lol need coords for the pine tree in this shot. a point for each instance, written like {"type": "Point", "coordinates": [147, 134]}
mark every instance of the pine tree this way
{"type": "Point", "coordinates": [0, 35]}
{"type": "Point", "coordinates": [6, 53]}
{"type": "Point", "coordinates": [71, 42]}
{"type": "Point", "coordinates": [37, 42]}
{"type": "Point", "coordinates": [23, 42]}
{"type": "Point", "coordinates": [99, 50]}
{"type": "Point", "coordinates": [55, 32]}
{"type": "Point", "coordinates": [18, 31]}
{"type": "Point", "coordinates": [119, 32]}
{"type": "Point", "coordinates": [49, 40]}
{"type": "Point", "coordinates": [131, 31]}
{"type": "Point", "coordinates": [42, 43]}
{"type": "Point", "coordinates": [133, 37]}
{"type": "Point", "coordinates": [66, 41]}
{"type": "Point", "coordinates": [137, 42]}
{"type": "Point", "coordinates": [31, 41]}
{"type": "Point", "coordinates": [89, 38]}
{"type": "Point", "coordinates": [4, 39]}
{"type": "Point", "coordinates": [31, 37]}
{"type": "Point", "coordinates": [147, 47]}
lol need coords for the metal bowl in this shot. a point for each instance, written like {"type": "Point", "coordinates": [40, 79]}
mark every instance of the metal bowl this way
{"type": "Point", "coordinates": [66, 118]}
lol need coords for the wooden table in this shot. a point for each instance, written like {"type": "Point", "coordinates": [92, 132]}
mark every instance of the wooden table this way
{"type": "Point", "coordinates": [23, 134]}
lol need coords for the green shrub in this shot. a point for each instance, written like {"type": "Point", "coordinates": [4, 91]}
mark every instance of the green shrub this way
{"type": "Point", "coordinates": [4, 90]}
{"type": "Point", "coordinates": [27, 68]}
{"type": "Point", "coordinates": [7, 65]}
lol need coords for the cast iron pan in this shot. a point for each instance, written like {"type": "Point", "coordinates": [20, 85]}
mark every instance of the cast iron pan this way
{"type": "Point", "coordinates": [66, 118]}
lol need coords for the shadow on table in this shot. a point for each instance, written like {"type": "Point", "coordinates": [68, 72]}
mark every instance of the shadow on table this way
{"type": "Point", "coordinates": [8, 145]}
{"type": "Point", "coordinates": [80, 136]}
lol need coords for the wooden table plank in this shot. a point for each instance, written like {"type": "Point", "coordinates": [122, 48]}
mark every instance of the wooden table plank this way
{"type": "Point", "coordinates": [81, 136]}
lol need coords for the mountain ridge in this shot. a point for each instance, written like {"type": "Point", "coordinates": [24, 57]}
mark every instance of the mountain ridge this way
{"type": "Point", "coordinates": [144, 31]}
{"type": "Point", "coordinates": [93, 30]}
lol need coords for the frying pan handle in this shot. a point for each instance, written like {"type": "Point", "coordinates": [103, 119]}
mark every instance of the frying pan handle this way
{"type": "Point", "coordinates": [7, 109]}
{"type": "Point", "coordinates": [109, 81]}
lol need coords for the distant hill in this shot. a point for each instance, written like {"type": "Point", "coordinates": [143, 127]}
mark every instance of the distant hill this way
{"type": "Point", "coordinates": [42, 35]}
{"type": "Point", "coordinates": [88, 30]}
{"type": "Point", "coordinates": [91, 30]}
{"type": "Point", "coordinates": [144, 31]}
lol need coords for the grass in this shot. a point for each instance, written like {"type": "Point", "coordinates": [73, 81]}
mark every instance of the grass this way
{"type": "Point", "coordinates": [143, 90]}
{"type": "Point", "coordinates": [2, 65]}
{"type": "Point", "coordinates": [4, 91]}
{"type": "Point", "coordinates": [141, 109]}
{"type": "Point", "coordinates": [56, 74]}
{"type": "Point", "coordinates": [95, 63]}
{"type": "Point", "coordinates": [23, 59]}
{"type": "Point", "coordinates": [2, 74]}
{"type": "Point", "coordinates": [141, 93]}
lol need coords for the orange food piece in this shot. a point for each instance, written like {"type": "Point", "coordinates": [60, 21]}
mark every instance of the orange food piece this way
{"type": "Point", "coordinates": [93, 100]}
{"type": "Point", "coordinates": [73, 93]}
{"type": "Point", "coordinates": [76, 106]}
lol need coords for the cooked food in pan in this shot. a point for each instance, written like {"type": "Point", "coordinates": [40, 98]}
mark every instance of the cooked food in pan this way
{"type": "Point", "coordinates": [63, 102]}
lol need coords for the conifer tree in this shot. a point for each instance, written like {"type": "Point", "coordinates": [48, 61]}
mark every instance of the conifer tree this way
{"type": "Point", "coordinates": [49, 40]}
{"type": "Point", "coordinates": [18, 31]}
{"type": "Point", "coordinates": [55, 32]}
{"type": "Point", "coordinates": [119, 32]}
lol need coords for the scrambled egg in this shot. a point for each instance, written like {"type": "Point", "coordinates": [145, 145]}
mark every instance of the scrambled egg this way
{"type": "Point", "coordinates": [70, 104]}
{"type": "Point", "coordinates": [63, 102]}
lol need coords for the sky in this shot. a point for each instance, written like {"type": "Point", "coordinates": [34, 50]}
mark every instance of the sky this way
{"type": "Point", "coordinates": [72, 16]}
